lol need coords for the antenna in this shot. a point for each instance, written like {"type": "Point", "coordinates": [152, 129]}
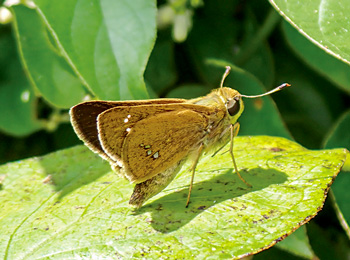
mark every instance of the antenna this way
{"type": "Point", "coordinates": [227, 71]}
{"type": "Point", "coordinates": [280, 87]}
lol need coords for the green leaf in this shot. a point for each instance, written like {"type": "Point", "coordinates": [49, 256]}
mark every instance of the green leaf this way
{"type": "Point", "coordinates": [275, 253]}
{"type": "Point", "coordinates": [327, 242]}
{"type": "Point", "coordinates": [308, 106]}
{"type": "Point", "coordinates": [217, 43]}
{"type": "Point", "coordinates": [70, 205]}
{"type": "Point", "coordinates": [107, 42]}
{"type": "Point", "coordinates": [160, 72]}
{"type": "Point", "coordinates": [18, 109]}
{"type": "Point", "coordinates": [49, 72]}
{"type": "Point", "coordinates": [331, 68]}
{"type": "Point", "coordinates": [188, 91]}
{"type": "Point", "coordinates": [339, 136]}
{"type": "Point", "coordinates": [325, 23]}
{"type": "Point", "coordinates": [255, 54]}
{"type": "Point", "coordinates": [298, 244]}
{"type": "Point", "coordinates": [221, 42]}
{"type": "Point", "coordinates": [17, 99]}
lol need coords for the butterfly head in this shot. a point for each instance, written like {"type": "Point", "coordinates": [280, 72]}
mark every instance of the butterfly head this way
{"type": "Point", "coordinates": [233, 103]}
{"type": "Point", "coordinates": [233, 99]}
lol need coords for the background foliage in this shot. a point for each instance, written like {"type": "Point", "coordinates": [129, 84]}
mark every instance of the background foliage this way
{"type": "Point", "coordinates": [54, 55]}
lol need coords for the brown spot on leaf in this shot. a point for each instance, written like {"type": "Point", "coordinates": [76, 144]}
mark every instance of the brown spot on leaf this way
{"type": "Point", "coordinates": [276, 149]}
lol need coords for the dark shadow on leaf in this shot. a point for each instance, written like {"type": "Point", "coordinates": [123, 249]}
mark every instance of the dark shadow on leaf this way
{"type": "Point", "coordinates": [169, 212]}
{"type": "Point", "coordinates": [67, 176]}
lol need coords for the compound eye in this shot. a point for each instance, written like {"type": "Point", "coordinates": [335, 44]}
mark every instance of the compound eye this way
{"type": "Point", "coordinates": [233, 106]}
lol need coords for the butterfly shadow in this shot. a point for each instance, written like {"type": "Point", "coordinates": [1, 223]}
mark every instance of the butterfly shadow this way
{"type": "Point", "coordinates": [169, 212]}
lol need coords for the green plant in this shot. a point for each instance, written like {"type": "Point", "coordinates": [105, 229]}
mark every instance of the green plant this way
{"type": "Point", "coordinates": [70, 50]}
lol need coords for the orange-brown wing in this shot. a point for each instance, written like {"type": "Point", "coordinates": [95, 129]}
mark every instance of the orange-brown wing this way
{"type": "Point", "coordinates": [159, 142]}
{"type": "Point", "coordinates": [150, 139]}
{"type": "Point", "coordinates": [84, 118]}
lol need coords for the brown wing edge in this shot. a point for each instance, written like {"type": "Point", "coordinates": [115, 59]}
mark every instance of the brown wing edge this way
{"type": "Point", "coordinates": [84, 119]}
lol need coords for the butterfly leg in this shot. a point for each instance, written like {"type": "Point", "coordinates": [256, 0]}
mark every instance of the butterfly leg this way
{"type": "Point", "coordinates": [234, 131]}
{"type": "Point", "coordinates": [199, 153]}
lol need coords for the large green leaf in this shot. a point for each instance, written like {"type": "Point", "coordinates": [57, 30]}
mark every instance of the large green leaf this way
{"type": "Point", "coordinates": [325, 23]}
{"type": "Point", "coordinates": [49, 72]}
{"type": "Point", "coordinates": [70, 205]}
{"type": "Point", "coordinates": [18, 115]}
{"type": "Point", "coordinates": [107, 42]}
{"type": "Point", "coordinates": [331, 68]}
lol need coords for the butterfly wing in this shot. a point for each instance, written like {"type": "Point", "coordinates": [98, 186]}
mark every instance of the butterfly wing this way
{"type": "Point", "coordinates": [150, 139]}
{"type": "Point", "coordinates": [84, 118]}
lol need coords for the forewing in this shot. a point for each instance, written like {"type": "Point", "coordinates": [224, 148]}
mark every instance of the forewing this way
{"type": "Point", "coordinates": [115, 124]}
{"type": "Point", "coordinates": [159, 142]}
{"type": "Point", "coordinates": [84, 121]}
{"type": "Point", "coordinates": [84, 118]}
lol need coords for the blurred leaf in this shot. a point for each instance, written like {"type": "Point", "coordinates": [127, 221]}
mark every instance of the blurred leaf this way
{"type": "Point", "coordinates": [255, 54]}
{"type": "Point", "coordinates": [342, 198]}
{"type": "Point", "coordinates": [275, 253]}
{"type": "Point", "coordinates": [339, 136]}
{"type": "Point", "coordinates": [17, 99]}
{"type": "Point", "coordinates": [69, 205]}
{"type": "Point", "coordinates": [325, 23]}
{"type": "Point", "coordinates": [261, 65]}
{"type": "Point", "coordinates": [220, 38]}
{"type": "Point", "coordinates": [49, 72]}
{"type": "Point", "coordinates": [223, 40]}
{"type": "Point", "coordinates": [347, 164]}
{"type": "Point", "coordinates": [160, 71]}
{"type": "Point", "coordinates": [327, 243]}
{"type": "Point", "coordinates": [310, 105]}
{"type": "Point", "coordinates": [298, 244]}
{"type": "Point", "coordinates": [188, 92]}
{"type": "Point", "coordinates": [314, 114]}
{"type": "Point", "coordinates": [106, 42]}
{"type": "Point", "coordinates": [18, 107]}
{"type": "Point", "coordinates": [330, 67]}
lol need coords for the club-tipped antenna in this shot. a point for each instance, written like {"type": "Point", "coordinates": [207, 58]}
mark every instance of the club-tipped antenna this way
{"type": "Point", "coordinates": [280, 87]}
{"type": "Point", "coordinates": [228, 68]}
